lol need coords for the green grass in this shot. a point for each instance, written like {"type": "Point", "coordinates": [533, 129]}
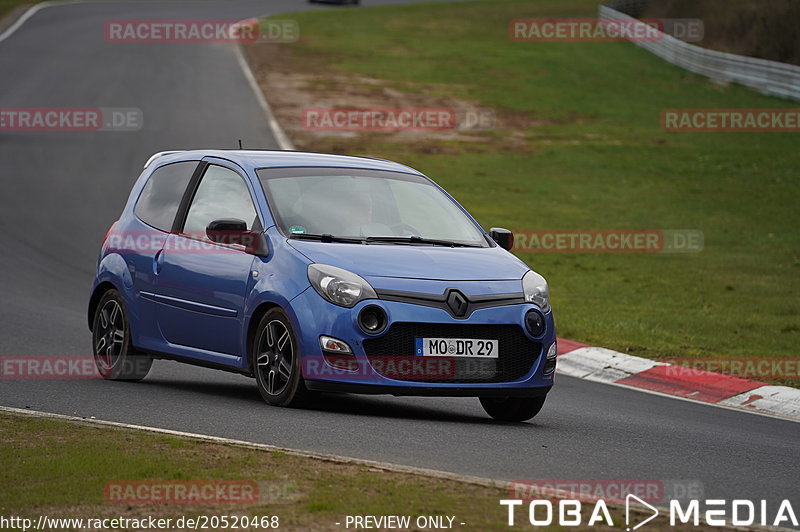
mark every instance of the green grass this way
{"type": "Point", "coordinates": [595, 157]}
{"type": "Point", "coordinates": [6, 6]}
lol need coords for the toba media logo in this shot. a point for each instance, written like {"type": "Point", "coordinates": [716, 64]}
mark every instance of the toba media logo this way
{"type": "Point", "coordinates": [716, 512]}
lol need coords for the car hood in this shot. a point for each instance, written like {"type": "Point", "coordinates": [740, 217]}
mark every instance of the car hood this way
{"type": "Point", "coordinates": [416, 262]}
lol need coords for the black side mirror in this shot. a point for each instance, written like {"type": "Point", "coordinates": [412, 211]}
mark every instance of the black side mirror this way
{"type": "Point", "coordinates": [232, 231]}
{"type": "Point", "coordinates": [503, 237]}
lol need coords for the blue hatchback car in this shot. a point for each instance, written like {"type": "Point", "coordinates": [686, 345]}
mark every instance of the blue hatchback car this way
{"type": "Point", "coordinates": [319, 273]}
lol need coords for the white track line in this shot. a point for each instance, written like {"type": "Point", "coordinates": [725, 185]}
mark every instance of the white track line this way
{"type": "Point", "coordinates": [24, 18]}
{"type": "Point", "coordinates": [35, 9]}
{"type": "Point", "coordinates": [280, 136]}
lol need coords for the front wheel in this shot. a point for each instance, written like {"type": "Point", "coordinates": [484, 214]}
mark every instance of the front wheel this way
{"type": "Point", "coordinates": [512, 408]}
{"type": "Point", "coordinates": [114, 355]}
{"type": "Point", "coordinates": [277, 362]}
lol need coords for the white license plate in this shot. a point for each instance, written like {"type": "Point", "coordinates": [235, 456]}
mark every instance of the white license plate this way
{"type": "Point", "coordinates": [457, 347]}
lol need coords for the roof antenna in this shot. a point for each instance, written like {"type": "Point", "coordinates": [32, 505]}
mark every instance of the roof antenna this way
{"type": "Point", "coordinates": [240, 144]}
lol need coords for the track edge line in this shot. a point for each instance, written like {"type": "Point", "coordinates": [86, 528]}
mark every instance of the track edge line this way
{"type": "Point", "coordinates": [326, 457]}
{"type": "Point", "coordinates": [277, 131]}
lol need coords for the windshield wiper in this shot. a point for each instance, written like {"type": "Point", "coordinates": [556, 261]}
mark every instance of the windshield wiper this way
{"type": "Point", "coordinates": [413, 239]}
{"type": "Point", "coordinates": [326, 238]}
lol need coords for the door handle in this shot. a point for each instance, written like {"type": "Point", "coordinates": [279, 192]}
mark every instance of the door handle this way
{"type": "Point", "coordinates": [158, 261]}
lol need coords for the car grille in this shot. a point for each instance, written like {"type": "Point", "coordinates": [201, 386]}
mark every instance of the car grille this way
{"type": "Point", "coordinates": [517, 352]}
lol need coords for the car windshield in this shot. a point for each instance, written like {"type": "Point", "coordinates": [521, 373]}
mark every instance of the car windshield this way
{"type": "Point", "coordinates": [365, 206]}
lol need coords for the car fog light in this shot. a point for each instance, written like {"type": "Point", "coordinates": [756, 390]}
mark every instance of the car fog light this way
{"type": "Point", "coordinates": [550, 360]}
{"type": "Point", "coordinates": [334, 345]}
{"type": "Point", "coordinates": [553, 351]}
{"type": "Point", "coordinates": [337, 353]}
{"type": "Point", "coordinates": [535, 323]}
{"type": "Point", "coordinates": [372, 320]}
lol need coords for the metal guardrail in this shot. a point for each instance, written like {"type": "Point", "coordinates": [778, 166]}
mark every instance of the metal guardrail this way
{"type": "Point", "coordinates": [768, 77]}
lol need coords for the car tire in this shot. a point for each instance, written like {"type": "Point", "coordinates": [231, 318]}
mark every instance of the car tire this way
{"type": "Point", "coordinates": [114, 355]}
{"type": "Point", "coordinates": [512, 408]}
{"type": "Point", "coordinates": [276, 362]}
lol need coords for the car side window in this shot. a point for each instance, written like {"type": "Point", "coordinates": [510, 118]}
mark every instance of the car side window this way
{"type": "Point", "coordinates": [161, 196]}
{"type": "Point", "coordinates": [222, 193]}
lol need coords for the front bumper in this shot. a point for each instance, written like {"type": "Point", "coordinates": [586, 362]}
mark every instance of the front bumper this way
{"type": "Point", "coordinates": [429, 391]}
{"type": "Point", "coordinates": [416, 375]}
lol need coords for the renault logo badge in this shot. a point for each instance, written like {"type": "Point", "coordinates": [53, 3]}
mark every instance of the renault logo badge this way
{"type": "Point", "coordinates": [458, 303]}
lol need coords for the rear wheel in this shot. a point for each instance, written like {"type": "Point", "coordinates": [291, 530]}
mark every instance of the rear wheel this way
{"type": "Point", "coordinates": [277, 362]}
{"type": "Point", "coordinates": [114, 355]}
{"type": "Point", "coordinates": [512, 408]}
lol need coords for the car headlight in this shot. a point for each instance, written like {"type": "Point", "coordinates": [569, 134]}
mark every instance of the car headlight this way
{"type": "Point", "coordinates": [535, 289]}
{"type": "Point", "coordinates": [339, 286]}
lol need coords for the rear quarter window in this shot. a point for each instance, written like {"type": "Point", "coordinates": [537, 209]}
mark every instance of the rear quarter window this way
{"type": "Point", "coordinates": [159, 201]}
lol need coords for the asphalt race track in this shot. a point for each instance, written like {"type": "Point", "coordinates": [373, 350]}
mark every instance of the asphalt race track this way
{"type": "Point", "coordinates": [61, 191]}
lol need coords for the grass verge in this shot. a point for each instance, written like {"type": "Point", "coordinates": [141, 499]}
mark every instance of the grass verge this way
{"type": "Point", "coordinates": [579, 145]}
{"type": "Point", "coordinates": [7, 6]}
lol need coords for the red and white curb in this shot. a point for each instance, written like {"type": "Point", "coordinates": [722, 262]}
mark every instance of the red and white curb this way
{"type": "Point", "coordinates": [604, 365]}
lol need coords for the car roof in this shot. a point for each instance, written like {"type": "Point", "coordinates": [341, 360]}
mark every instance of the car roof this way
{"type": "Point", "coordinates": [254, 159]}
